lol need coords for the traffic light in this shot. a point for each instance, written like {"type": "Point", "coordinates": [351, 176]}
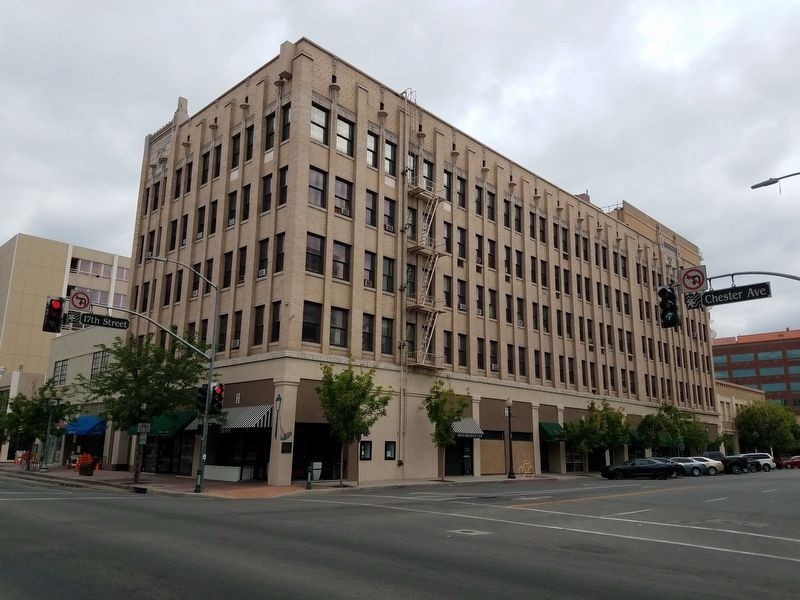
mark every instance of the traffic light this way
{"type": "Point", "coordinates": [670, 316]}
{"type": "Point", "coordinates": [217, 398]}
{"type": "Point", "coordinates": [202, 393]}
{"type": "Point", "coordinates": [53, 314]}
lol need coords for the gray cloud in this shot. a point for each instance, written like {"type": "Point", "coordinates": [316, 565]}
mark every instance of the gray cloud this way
{"type": "Point", "coordinates": [675, 107]}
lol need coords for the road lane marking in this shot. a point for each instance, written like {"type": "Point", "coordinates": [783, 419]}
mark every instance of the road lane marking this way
{"type": "Point", "coordinates": [626, 494]}
{"type": "Point", "coordinates": [631, 512]}
{"type": "Point", "coordinates": [715, 499]}
{"type": "Point", "coordinates": [556, 528]}
{"type": "Point", "coordinates": [768, 491]}
{"type": "Point", "coordinates": [130, 497]}
{"type": "Point", "coordinates": [536, 498]}
{"type": "Point", "coordinates": [638, 522]}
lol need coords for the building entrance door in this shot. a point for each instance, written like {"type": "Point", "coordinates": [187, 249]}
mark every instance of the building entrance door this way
{"type": "Point", "coordinates": [458, 458]}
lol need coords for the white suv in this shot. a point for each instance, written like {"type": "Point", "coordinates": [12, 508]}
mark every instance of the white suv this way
{"type": "Point", "coordinates": [763, 458]}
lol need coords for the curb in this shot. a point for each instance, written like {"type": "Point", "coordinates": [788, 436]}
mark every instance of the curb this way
{"type": "Point", "coordinates": [127, 487]}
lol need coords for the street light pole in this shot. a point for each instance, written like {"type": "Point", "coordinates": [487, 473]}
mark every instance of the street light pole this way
{"type": "Point", "coordinates": [511, 474]}
{"type": "Point", "coordinates": [198, 487]}
{"type": "Point", "coordinates": [771, 181]}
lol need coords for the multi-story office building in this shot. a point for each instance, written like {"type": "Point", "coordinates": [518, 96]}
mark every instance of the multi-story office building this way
{"type": "Point", "coordinates": [731, 398]}
{"type": "Point", "coordinates": [31, 269]}
{"type": "Point", "coordinates": [342, 221]}
{"type": "Point", "coordinates": [766, 361]}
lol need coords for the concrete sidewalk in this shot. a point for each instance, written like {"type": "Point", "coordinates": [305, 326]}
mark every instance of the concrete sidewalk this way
{"type": "Point", "coordinates": [251, 490]}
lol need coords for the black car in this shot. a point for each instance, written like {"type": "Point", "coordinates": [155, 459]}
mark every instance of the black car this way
{"type": "Point", "coordinates": [640, 467]}
{"type": "Point", "coordinates": [736, 464]}
{"type": "Point", "coordinates": [753, 464]}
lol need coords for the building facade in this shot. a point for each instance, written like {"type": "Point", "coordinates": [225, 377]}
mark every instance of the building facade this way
{"type": "Point", "coordinates": [731, 398]}
{"type": "Point", "coordinates": [340, 221]}
{"type": "Point", "coordinates": [31, 269]}
{"type": "Point", "coordinates": [766, 361]}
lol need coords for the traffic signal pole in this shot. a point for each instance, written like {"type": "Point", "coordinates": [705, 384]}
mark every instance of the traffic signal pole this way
{"type": "Point", "coordinates": [198, 486]}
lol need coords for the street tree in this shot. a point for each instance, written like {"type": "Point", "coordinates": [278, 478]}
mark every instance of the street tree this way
{"type": "Point", "coordinates": [444, 408]}
{"type": "Point", "coordinates": [766, 426]}
{"type": "Point", "coordinates": [352, 404]}
{"type": "Point", "coordinates": [695, 435]}
{"type": "Point", "coordinates": [603, 428]}
{"type": "Point", "coordinates": [664, 428]}
{"type": "Point", "coordinates": [614, 430]}
{"type": "Point", "coordinates": [141, 381]}
{"type": "Point", "coordinates": [30, 416]}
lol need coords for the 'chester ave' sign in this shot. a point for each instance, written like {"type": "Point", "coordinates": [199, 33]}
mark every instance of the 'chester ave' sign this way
{"type": "Point", "coordinates": [737, 294]}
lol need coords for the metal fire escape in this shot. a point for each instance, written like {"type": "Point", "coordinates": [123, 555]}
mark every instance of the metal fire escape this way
{"type": "Point", "coordinates": [424, 245]}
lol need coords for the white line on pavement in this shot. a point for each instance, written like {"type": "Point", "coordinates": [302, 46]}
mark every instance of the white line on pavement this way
{"type": "Point", "coordinates": [630, 512]}
{"type": "Point", "coordinates": [656, 523]}
{"type": "Point", "coordinates": [556, 528]}
{"type": "Point", "coordinates": [715, 499]}
{"type": "Point", "coordinates": [130, 497]}
{"type": "Point", "coordinates": [767, 491]}
{"type": "Point", "coordinates": [535, 498]}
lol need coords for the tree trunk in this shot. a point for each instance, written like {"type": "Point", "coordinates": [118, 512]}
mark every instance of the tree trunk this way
{"type": "Point", "coordinates": [137, 462]}
{"type": "Point", "coordinates": [341, 467]}
{"type": "Point", "coordinates": [444, 462]}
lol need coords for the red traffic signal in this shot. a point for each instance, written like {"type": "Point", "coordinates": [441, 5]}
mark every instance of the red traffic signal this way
{"type": "Point", "coordinates": [217, 398]}
{"type": "Point", "coordinates": [53, 315]}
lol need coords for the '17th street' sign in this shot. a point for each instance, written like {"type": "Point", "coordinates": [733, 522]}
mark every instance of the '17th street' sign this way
{"type": "Point", "coordinates": [729, 295]}
{"type": "Point", "coordinates": [104, 321]}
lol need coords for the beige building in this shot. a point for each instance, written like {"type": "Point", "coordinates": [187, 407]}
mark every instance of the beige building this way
{"type": "Point", "coordinates": [731, 397]}
{"type": "Point", "coordinates": [31, 269]}
{"type": "Point", "coordinates": [342, 221]}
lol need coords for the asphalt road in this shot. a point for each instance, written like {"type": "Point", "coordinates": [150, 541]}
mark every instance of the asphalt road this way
{"type": "Point", "coordinates": [710, 537]}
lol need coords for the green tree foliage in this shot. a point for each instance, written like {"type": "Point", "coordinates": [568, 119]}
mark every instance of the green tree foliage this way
{"type": "Point", "coordinates": [352, 404]}
{"type": "Point", "coordinates": [444, 408]}
{"type": "Point", "coordinates": [29, 415]}
{"type": "Point", "coordinates": [602, 427]}
{"type": "Point", "coordinates": [695, 435]}
{"type": "Point", "coordinates": [671, 429]}
{"type": "Point", "coordinates": [763, 426]}
{"type": "Point", "coordinates": [725, 439]}
{"type": "Point", "coordinates": [142, 380]}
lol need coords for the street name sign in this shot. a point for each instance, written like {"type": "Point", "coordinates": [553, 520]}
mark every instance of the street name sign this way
{"type": "Point", "coordinates": [104, 321]}
{"type": "Point", "coordinates": [737, 294]}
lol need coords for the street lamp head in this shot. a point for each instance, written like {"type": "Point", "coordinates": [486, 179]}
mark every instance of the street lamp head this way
{"type": "Point", "coordinates": [509, 403]}
{"type": "Point", "coordinates": [765, 183]}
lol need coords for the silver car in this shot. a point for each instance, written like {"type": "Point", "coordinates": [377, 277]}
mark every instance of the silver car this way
{"type": "Point", "coordinates": [691, 466]}
{"type": "Point", "coordinates": [714, 466]}
{"type": "Point", "coordinates": [766, 460]}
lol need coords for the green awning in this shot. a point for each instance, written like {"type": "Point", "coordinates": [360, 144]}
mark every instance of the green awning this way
{"type": "Point", "coordinates": [168, 424]}
{"type": "Point", "coordinates": [551, 432]}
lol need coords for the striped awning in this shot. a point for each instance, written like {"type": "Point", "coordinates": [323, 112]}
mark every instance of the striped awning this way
{"type": "Point", "coordinates": [466, 427]}
{"type": "Point", "coordinates": [240, 417]}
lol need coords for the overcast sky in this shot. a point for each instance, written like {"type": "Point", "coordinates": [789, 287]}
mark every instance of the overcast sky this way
{"type": "Point", "coordinates": [676, 107]}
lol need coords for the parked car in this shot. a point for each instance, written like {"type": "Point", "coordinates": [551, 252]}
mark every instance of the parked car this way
{"type": "Point", "coordinates": [714, 455]}
{"type": "Point", "coordinates": [791, 462]}
{"type": "Point", "coordinates": [714, 466]}
{"type": "Point", "coordinates": [736, 464]}
{"type": "Point", "coordinates": [640, 467]}
{"type": "Point", "coordinates": [764, 459]}
{"type": "Point", "coordinates": [746, 465]}
{"type": "Point", "coordinates": [690, 466]}
{"type": "Point", "coordinates": [669, 461]}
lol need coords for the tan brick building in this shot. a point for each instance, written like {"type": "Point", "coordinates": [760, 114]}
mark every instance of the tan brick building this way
{"type": "Point", "coordinates": [31, 269]}
{"type": "Point", "coordinates": [341, 220]}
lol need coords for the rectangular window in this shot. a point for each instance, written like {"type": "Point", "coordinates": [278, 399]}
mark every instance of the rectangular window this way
{"type": "Point", "coordinates": [491, 254]}
{"type": "Point", "coordinates": [258, 325]}
{"type": "Point", "coordinates": [461, 291]}
{"type": "Point", "coordinates": [227, 269]}
{"type": "Point", "coordinates": [275, 324]}
{"type": "Point", "coordinates": [319, 124]}
{"type": "Point", "coordinates": [173, 235]}
{"type": "Point", "coordinates": [212, 219]}
{"type": "Point", "coordinates": [478, 200]}
{"type": "Point", "coordinates": [231, 212]}
{"type": "Point", "coordinates": [266, 193]}
{"type": "Point", "coordinates": [523, 360]}
{"type": "Point", "coordinates": [167, 289]}
{"type": "Point", "coordinates": [201, 222]}
{"type": "Point", "coordinates": [481, 353]}
{"type": "Point", "coordinates": [246, 202]}
{"type": "Point", "coordinates": [178, 181]}
{"type": "Point", "coordinates": [448, 186]}
{"type": "Point", "coordinates": [369, 269]}
{"type": "Point", "coordinates": [341, 261]}
{"type": "Point", "coordinates": [345, 133]}
{"type": "Point", "coordinates": [315, 253]}
{"type": "Point", "coordinates": [368, 333]}
{"type": "Point", "coordinates": [518, 218]}
{"type": "Point", "coordinates": [241, 264]}
{"type": "Point", "coordinates": [286, 121]}
{"type": "Point", "coordinates": [448, 237]}
{"type": "Point", "coordinates": [365, 450]}
{"type": "Point", "coordinates": [217, 160]}
{"type": "Point", "coordinates": [461, 192]}
{"type": "Point", "coordinates": [447, 343]}
{"type": "Point", "coordinates": [317, 187]}
{"type": "Point", "coordinates": [269, 132]}
{"type": "Point", "coordinates": [263, 257]}
{"type": "Point", "coordinates": [237, 329]}
{"type": "Point", "coordinates": [371, 208]}
{"type": "Point", "coordinates": [518, 263]}
{"type": "Point", "coordinates": [209, 275]}
{"type": "Point", "coordinates": [283, 185]}
{"type": "Point", "coordinates": [222, 333]}
{"type": "Point", "coordinates": [510, 359]}
{"type": "Point", "coordinates": [372, 149]}
{"type": "Point", "coordinates": [387, 336]}
{"type": "Point", "coordinates": [279, 242]}
{"type": "Point", "coordinates": [462, 350]}
{"type": "Point", "coordinates": [248, 142]}
{"type": "Point", "coordinates": [461, 243]}
{"type": "Point", "coordinates": [178, 285]}
{"type": "Point", "coordinates": [506, 213]}
{"type": "Point", "coordinates": [447, 285]}
{"type": "Point", "coordinates": [389, 214]}
{"type": "Point", "coordinates": [343, 197]}
{"type": "Point", "coordinates": [492, 304]}
{"type": "Point", "coordinates": [338, 333]}
{"type": "Point", "coordinates": [388, 274]}
{"type": "Point", "coordinates": [389, 450]}
{"type": "Point", "coordinates": [205, 162]}
{"type": "Point", "coordinates": [390, 158]}
{"type": "Point", "coordinates": [493, 360]}
{"type": "Point", "coordinates": [490, 205]}
{"type": "Point", "coordinates": [312, 318]}
{"type": "Point", "coordinates": [235, 148]}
